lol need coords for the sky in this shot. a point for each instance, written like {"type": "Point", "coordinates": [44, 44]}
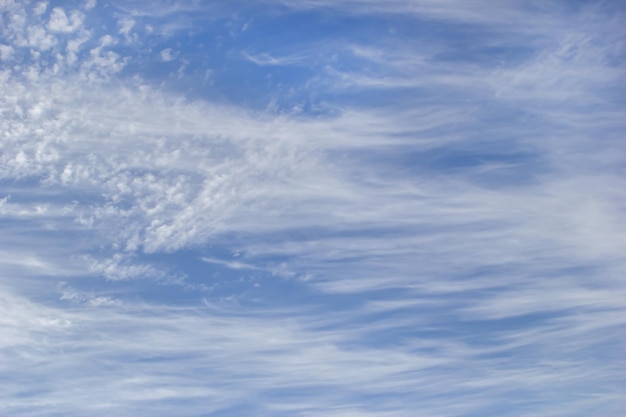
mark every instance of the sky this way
{"type": "Point", "coordinates": [302, 208]}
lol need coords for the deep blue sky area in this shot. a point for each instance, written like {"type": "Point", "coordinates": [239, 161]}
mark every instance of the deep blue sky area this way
{"type": "Point", "coordinates": [348, 208]}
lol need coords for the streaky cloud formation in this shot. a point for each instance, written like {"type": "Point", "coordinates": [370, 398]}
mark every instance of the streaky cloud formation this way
{"type": "Point", "coordinates": [312, 208]}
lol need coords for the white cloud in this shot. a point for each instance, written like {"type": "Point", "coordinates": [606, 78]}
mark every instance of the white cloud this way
{"type": "Point", "coordinates": [39, 39]}
{"type": "Point", "coordinates": [166, 55]}
{"type": "Point", "coordinates": [6, 52]}
{"type": "Point", "coordinates": [261, 353]}
{"type": "Point", "coordinates": [59, 21]}
{"type": "Point", "coordinates": [103, 62]}
{"type": "Point", "coordinates": [118, 268]}
{"type": "Point", "coordinates": [415, 266]}
{"type": "Point", "coordinates": [74, 46]}
{"type": "Point", "coordinates": [125, 25]}
{"type": "Point", "coordinates": [90, 4]}
{"type": "Point", "coordinates": [267, 59]}
{"type": "Point", "coordinates": [40, 8]}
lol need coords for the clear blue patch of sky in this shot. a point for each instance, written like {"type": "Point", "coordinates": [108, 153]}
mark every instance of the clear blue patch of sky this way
{"type": "Point", "coordinates": [210, 60]}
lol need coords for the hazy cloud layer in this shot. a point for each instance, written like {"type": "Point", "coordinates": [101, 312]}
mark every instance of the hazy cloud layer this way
{"type": "Point", "coordinates": [312, 208]}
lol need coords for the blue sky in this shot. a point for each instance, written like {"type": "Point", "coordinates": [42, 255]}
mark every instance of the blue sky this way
{"type": "Point", "coordinates": [347, 208]}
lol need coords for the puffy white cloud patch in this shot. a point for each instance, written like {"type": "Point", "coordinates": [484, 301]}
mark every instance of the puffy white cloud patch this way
{"type": "Point", "coordinates": [60, 22]}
